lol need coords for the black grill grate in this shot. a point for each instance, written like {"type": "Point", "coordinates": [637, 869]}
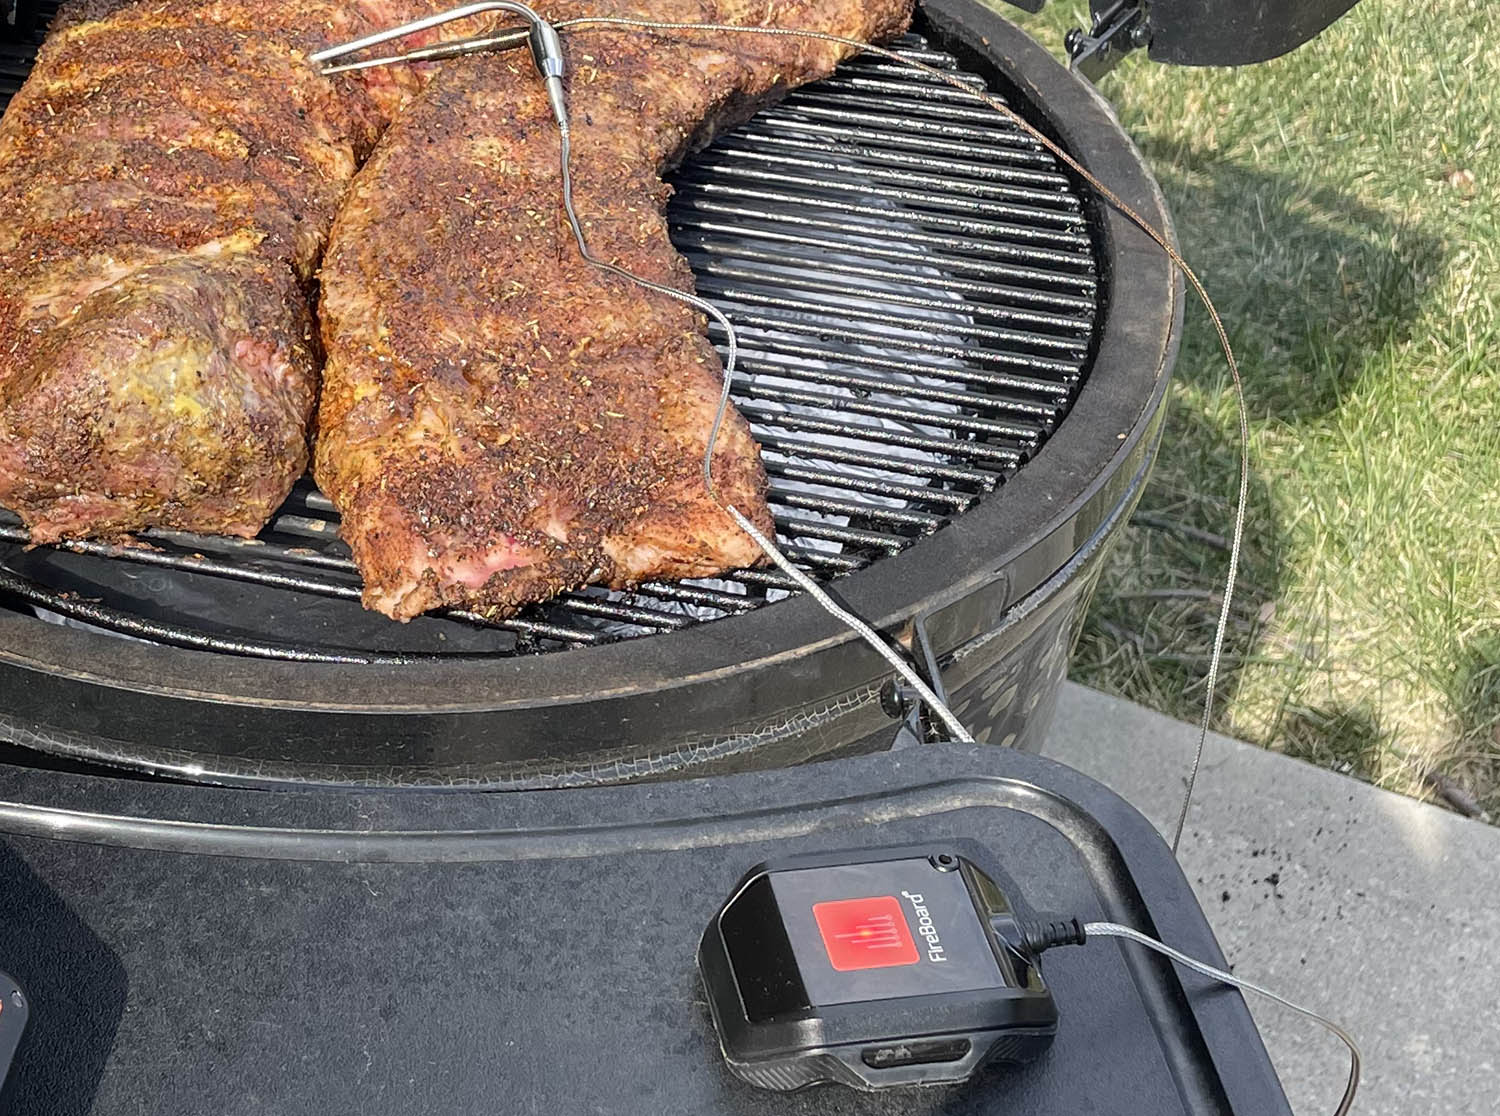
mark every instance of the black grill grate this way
{"type": "Point", "coordinates": [913, 280]}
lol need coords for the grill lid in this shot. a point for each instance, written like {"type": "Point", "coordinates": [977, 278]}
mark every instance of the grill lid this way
{"type": "Point", "coordinates": [1194, 32]}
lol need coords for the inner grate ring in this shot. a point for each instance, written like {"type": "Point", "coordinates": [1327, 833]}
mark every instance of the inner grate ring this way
{"type": "Point", "coordinates": [915, 286]}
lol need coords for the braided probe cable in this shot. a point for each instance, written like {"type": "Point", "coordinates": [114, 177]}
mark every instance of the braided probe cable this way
{"type": "Point", "coordinates": [817, 592]}
{"type": "Point", "coordinates": [1129, 934]}
{"type": "Point", "coordinates": [767, 545]}
{"type": "Point", "coordinates": [587, 23]}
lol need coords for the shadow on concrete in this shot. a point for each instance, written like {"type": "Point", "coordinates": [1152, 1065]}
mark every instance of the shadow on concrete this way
{"type": "Point", "coordinates": [76, 989]}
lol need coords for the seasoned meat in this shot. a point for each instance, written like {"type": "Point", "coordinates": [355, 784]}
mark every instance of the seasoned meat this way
{"type": "Point", "coordinates": [500, 420]}
{"type": "Point", "coordinates": [168, 176]}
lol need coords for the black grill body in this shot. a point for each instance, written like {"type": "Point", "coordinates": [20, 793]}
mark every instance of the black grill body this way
{"type": "Point", "coordinates": [954, 362]}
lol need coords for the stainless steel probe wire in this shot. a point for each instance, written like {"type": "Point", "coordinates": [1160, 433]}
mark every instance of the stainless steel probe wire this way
{"type": "Point", "coordinates": [505, 38]}
{"type": "Point", "coordinates": [548, 63]}
{"type": "Point", "coordinates": [897, 661]}
{"type": "Point", "coordinates": [772, 551]}
{"type": "Point", "coordinates": [548, 58]}
{"type": "Point", "coordinates": [1156, 235]}
{"type": "Point", "coordinates": [785, 564]}
{"type": "Point", "coordinates": [1115, 930]}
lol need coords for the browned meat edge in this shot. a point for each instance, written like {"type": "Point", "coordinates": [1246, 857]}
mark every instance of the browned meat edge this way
{"type": "Point", "coordinates": [168, 177]}
{"type": "Point", "coordinates": [500, 421]}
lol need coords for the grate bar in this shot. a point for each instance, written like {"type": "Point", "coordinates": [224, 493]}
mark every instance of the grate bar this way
{"type": "Point", "coordinates": [779, 445]}
{"type": "Point", "coordinates": [767, 578]}
{"type": "Point", "coordinates": [883, 231]}
{"type": "Point", "coordinates": [970, 424]}
{"type": "Point", "coordinates": [954, 501]}
{"type": "Point", "coordinates": [1013, 165]}
{"type": "Point", "coordinates": [318, 502]}
{"type": "Point", "coordinates": [795, 527]}
{"type": "Point", "coordinates": [913, 46]}
{"type": "Point", "coordinates": [306, 527]}
{"type": "Point", "coordinates": [534, 629]}
{"type": "Point", "coordinates": [964, 175]}
{"type": "Point", "coordinates": [948, 262]}
{"type": "Point", "coordinates": [817, 285]}
{"type": "Point", "coordinates": [1073, 346]}
{"type": "Point", "coordinates": [583, 604]}
{"type": "Point", "coordinates": [254, 550]}
{"type": "Point", "coordinates": [701, 595]}
{"type": "Point", "coordinates": [832, 505]}
{"type": "Point", "coordinates": [834, 562]}
{"type": "Point", "coordinates": [916, 102]}
{"type": "Point", "coordinates": [1012, 145]}
{"type": "Point", "coordinates": [702, 251]}
{"type": "Point", "coordinates": [866, 80]}
{"type": "Point", "coordinates": [1051, 389]}
{"type": "Point", "coordinates": [717, 176]}
{"type": "Point", "coordinates": [808, 424]}
{"type": "Point", "coordinates": [761, 326]}
{"type": "Point", "coordinates": [875, 64]}
{"type": "Point", "coordinates": [1044, 414]}
{"type": "Point", "coordinates": [940, 180]}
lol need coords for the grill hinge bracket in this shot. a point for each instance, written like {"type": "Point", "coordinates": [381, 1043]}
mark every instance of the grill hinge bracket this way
{"type": "Point", "coordinates": [1116, 31]}
{"type": "Point", "coordinates": [900, 700]}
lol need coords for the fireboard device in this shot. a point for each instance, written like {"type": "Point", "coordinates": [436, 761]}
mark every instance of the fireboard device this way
{"type": "Point", "coordinates": [876, 968]}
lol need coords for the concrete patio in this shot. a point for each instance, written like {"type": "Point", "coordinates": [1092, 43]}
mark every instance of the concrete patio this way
{"type": "Point", "coordinates": [1379, 911]}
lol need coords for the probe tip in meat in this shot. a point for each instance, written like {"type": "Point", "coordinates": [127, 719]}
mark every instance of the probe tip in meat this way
{"type": "Point", "coordinates": [509, 39]}
{"type": "Point", "coordinates": [390, 34]}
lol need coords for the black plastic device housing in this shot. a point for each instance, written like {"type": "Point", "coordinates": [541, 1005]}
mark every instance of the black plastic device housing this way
{"type": "Point", "coordinates": [13, 1011]}
{"type": "Point", "coordinates": [787, 1017]}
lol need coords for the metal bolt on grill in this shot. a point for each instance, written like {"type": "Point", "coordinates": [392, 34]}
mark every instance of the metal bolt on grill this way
{"type": "Point", "coordinates": [914, 284]}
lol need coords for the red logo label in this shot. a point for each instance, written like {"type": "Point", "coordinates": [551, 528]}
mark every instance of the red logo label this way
{"type": "Point", "coordinates": [865, 933]}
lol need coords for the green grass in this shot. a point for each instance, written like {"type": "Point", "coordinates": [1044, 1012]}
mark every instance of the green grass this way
{"type": "Point", "coordinates": [1342, 205]}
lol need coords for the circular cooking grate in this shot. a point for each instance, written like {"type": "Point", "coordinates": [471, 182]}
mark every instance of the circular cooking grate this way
{"type": "Point", "coordinates": [913, 279]}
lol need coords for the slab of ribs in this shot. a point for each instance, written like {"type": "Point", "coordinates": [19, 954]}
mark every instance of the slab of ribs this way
{"type": "Point", "coordinates": [498, 420]}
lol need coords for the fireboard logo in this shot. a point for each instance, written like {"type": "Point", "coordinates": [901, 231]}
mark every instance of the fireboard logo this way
{"type": "Point", "coordinates": [865, 933]}
{"type": "Point", "coordinates": [925, 927]}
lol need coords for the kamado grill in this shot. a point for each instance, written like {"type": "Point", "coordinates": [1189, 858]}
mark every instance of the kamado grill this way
{"type": "Point", "coordinates": [253, 854]}
{"type": "Point", "coordinates": [953, 359]}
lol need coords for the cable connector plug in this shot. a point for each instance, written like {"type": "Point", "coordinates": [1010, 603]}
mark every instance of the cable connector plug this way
{"type": "Point", "coordinates": [1048, 931]}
